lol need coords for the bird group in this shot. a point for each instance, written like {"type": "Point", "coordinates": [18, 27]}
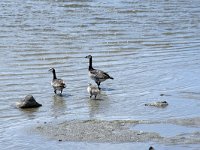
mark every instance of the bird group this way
{"type": "Point", "coordinates": [97, 75]}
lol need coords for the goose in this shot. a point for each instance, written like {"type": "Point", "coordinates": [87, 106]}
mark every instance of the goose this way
{"type": "Point", "coordinates": [92, 90]}
{"type": "Point", "coordinates": [97, 75]}
{"type": "Point", "coordinates": [57, 84]}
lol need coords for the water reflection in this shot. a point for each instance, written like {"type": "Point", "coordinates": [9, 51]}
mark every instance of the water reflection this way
{"type": "Point", "coordinates": [98, 106]}
{"type": "Point", "coordinates": [59, 105]}
{"type": "Point", "coordinates": [31, 113]}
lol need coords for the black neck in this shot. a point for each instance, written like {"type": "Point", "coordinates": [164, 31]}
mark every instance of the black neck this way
{"type": "Point", "coordinates": [90, 64]}
{"type": "Point", "coordinates": [54, 74]}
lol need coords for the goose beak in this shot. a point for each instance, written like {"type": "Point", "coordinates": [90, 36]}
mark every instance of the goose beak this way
{"type": "Point", "coordinates": [89, 56]}
{"type": "Point", "coordinates": [50, 69]}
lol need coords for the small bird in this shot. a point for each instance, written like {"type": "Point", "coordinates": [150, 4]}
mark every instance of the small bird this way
{"type": "Point", "coordinates": [92, 90]}
{"type": "Point", "coordinates": [97, 75]}
{"type": "Point", "coordinates": [57, 84]}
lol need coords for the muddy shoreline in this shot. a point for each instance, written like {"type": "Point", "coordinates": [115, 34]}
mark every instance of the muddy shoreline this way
{"type": "Point", "coordinates": [116, 131]}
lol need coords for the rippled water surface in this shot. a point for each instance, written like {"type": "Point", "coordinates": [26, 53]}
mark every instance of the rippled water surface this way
{"type": "Point", "coordinates": [150, 47]}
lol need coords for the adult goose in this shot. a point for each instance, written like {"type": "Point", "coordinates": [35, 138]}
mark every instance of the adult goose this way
{"type": "Point", "coordinates": [97, 75]}
{"type": "Point", "coordinates": [57, 84]}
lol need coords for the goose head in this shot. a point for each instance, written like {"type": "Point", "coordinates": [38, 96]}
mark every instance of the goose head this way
{"type": "Point", "coordinates": [51, 70]}
{"type": "Point", "coordinates": [89, 56]}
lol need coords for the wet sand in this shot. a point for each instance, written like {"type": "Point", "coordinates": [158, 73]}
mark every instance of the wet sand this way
{"type": "Point", "coordinates": [115, 131]}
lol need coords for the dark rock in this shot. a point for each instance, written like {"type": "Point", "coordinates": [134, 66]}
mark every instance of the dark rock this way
{"type": "Point", "coordinates": [28, 102]}
{"type": "Point", "coordinates": [151, 148]}
{"type": "Point", "coordinates": [158, 104]}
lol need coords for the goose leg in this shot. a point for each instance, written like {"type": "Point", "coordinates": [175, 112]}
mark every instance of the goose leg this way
{"type": "Point", "coordinates": [55, 91]}
{"type": "Point", "coordinates": [98, 83]}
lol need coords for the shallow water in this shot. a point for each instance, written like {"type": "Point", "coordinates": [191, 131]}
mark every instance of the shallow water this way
{"type": "Point", "coordinates": [149, 47]}
{"type": "Point", "coordinates": [166, 130]}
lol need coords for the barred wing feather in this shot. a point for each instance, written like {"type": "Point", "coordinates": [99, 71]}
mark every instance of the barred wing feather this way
{"type": "Point", "coordinates": [100, 74]}
{"type": "Point", "coordinates": [58, 83]}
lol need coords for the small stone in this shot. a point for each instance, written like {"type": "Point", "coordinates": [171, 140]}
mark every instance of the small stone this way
{"type": "Point", "coordinates": [122, 124]}
{"type": "Point", "coordinates": [28, 102]}
{"type": "Point", "coordinates": [158, 104]}
{"type": "Point", "coordinates": [60, 140]}
{"type": "Point", "coordinates": [151, 148]}
{"type": "Point", "coordinates": [140, 132]}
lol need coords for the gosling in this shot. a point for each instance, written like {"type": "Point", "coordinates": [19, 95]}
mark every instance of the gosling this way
{"type": "Point", "coordinates": [92, 90]}
{"type": "Point", "coordinates": [57, 84]}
